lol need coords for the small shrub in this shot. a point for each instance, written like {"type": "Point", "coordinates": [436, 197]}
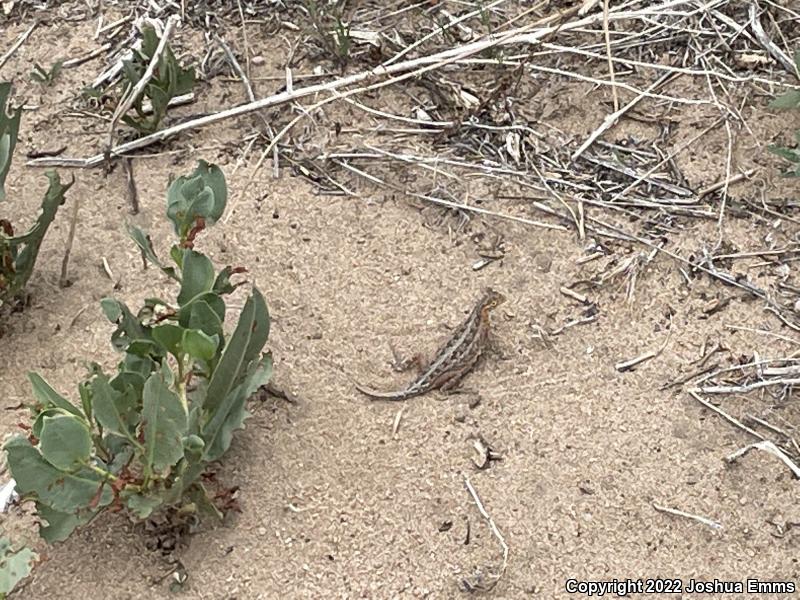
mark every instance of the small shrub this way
{"type": "Point", "coordinates": [46, 76]}
{"type": "Point", "coordinates": [331, 30]}
{"type": "Point", "coordinates": [790, 154]}
{"type": "Point", "coordinates": [18, 253]}
{"type": "Point", "coordinates": [141, 437]}
{"type": "Point", "coordinates": [170, 80]}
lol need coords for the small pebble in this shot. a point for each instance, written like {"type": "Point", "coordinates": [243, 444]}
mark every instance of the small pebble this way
{"type": "Point", "coordinates": [543, 262]}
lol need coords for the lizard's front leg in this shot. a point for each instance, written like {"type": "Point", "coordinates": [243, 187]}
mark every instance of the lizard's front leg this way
{"type": "Point", "coordinates": [453, 387]}
{"type": "Point", "coordinates": [495, 348]}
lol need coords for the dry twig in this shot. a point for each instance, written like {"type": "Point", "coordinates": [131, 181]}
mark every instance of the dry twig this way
{"type": "Point", "coordinates": [492, 526]}
{"type": "Point", "coordinates": [680, 513]}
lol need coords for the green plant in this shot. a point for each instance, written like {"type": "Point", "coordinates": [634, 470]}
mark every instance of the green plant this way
{"type": "Point", "coordinates": [170, 80]}
{"type": "Point", "coordinates": [332, 31]}
{"type": "Point", "coordinates": [788, 101]}
{"type": "Point", "coordinates": [15, 565]}
{"type": "Point", "coordinates": [790, 154]}
{"type": "Point", "coordinates": [342, 41]}
{"type": "Point", "coordinates": [142, 437]}
{"type": "Point", "coordinates": [18, 253]}
{"type": "Point", "coordinates": [46, 76]}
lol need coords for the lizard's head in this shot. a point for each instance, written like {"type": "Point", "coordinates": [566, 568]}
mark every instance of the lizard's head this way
{"type": "Point", "coordinates": [491, 299]}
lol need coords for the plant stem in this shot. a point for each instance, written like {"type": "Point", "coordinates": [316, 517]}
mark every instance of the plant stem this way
{"type": "Point", "coordinates": [181, 383]}
{"type": "Point", "coordinates": [106, 474]}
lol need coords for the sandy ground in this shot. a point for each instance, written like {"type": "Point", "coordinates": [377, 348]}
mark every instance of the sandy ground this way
{"type": "Point", "coordinates": [334, 505]}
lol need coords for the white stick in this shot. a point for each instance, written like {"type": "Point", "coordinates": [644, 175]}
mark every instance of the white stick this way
{"type": "Point", "coordinates": [680, 513]}
{"type": "Point", "coordinates": [611, 119]}
{"type": "Point", "coordinates": [726, 416]}
{"type": "Point", "coordinates": [766, 446]}
{"type": "Point", "coordinates": [8, 495]}
{"type": "Point", "coordinates": [748, 387]}
{"type": "Point", "coordinates": [522, 35]}
{"type": "Point", "coordinates": [492, 525]}
{"type": "Point", "coordinates": [17, 44]}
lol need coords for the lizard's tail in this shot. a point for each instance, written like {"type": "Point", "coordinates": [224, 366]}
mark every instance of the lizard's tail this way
{"type": "Point", "coordinates": [377, 395]}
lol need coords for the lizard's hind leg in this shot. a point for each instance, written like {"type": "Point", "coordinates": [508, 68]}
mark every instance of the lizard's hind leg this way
{"type": "Point", "coordinates": [400, 364]}
{"type": "Point", "coordinates": [452, 386]}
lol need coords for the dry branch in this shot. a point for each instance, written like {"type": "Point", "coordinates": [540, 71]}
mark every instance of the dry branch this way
{"type": "Point", "coordinates": [403, 70]}
{"type": "Point", "coordinates": [686, 515]}
{"type": "Point", "coordinates": [20, 40]}
{"type": "Point", "coordinates": [769, 447]}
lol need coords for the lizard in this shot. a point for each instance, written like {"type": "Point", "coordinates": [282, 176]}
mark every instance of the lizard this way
{"type": "Point", "coordinates": [455, 358]}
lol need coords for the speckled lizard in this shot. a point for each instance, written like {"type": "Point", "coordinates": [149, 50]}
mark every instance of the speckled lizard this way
{"type": "Point", "coordinates": [455, 358]}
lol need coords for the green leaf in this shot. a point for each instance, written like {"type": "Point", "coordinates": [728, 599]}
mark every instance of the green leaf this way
{"type": "Point", "coordinates": [112, 309]}
{"type": "Point", "coordinates": [159, 99]}
{"type": "Point", "coordinates": [199, 345]}
{"type": "Point", "coordinates": [223, 284]}
{"type": "Point", "coordinates": [169, 336]}
{"type": "Point", "coordinates": [203, 203]}
{"type": "Point", "coordinates": [230, 415]}
{"type": "Point", "coordinates": [62, 491]}
{"type": "Point", "coordinates": [176, 254]}
{"type": "Point", "coordinates": [193, 444]}
{"type": "Point", "coordinates": [65, 442]}
{"type": "Point", "coordinates": [115, 412]}
{"type": "Point", "coordinates": [142, 124]}
{"type": "Point", "coordinates": [199, 315]}
{"type": "Point", "coordinates": [260, 330]}
{"type": "Point", "coordinates": [145, 349]}
{"type": "Point", "coordinates": [214, 178]}
{"type": "Point", "coordinates": [48, 397]}
{"type": "Point", "coordinates": [129, 328]}
{"type": "Point", "coordinates": [192, 186]}
{"type": "Point", "coordinates": [161, 88]}
{"type": "Point", "coordinates": [183, 481]}
{"type": "Point", "coordinates": [30, 242]}
{"type": "Point", "coordinates": [46, 76]}
{"type": "Point", "coordinates": [205, 506]}
{"type": "Point", "coordinates": [15, 565]}
{"type": "Point", "coordinates": [149, 42]}
{"type": "Point", "coordinates": [38, 422]}
{"type": "Point", "coordinates": [244, 346]}
{"type": "Point", "coordinates": [790, 154]}
{"type": "Point", "coordinates": [197, 276]}
{"type": "Point", "coordinates": [201, 194]}
{"type": "Point", "coordinates": [214, 302]}
{"type": "Point", "coordinates": [90, 92]}
{"type": "Point", "coordinates": [787, 100]}
{"type": "Point", "coordinates": [132, 382]}
{"type": "Point", "coordinates": [184, 81]}
{"type": "Point", "coordinates": [130, 72]}
{"type": "Point", "coordinates": [139, 504]}
{"type": "Point", "coordinates": [141, 365]}
{"type": "Point", "coordinates": [141, 240]}
{"type": "Point", "coordinates": [60, 524]}
{"type": "Point", "coordinates": [165, 424]}
{"type": "Point", "coordinates": [55, 69]}
{"type": "Point", "coordinates": [85, 393]}
{"type": "Point", "coordinates": [9, 130]}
